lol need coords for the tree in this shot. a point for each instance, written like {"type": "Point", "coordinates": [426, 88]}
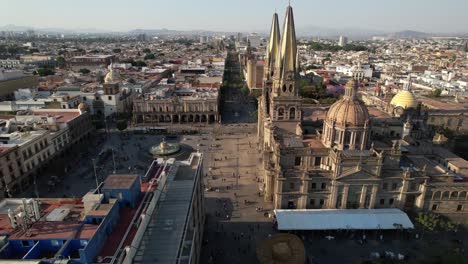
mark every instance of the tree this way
{"type": "Point", "coordinates": [33, 50]}
{"type": "Point", "coordinates": [44, 72]}
{"type": "Point", "coordinates": [146, 51]}
{"type": "Point", "coordinates": [116, 50]}
{"type": "Point", "coordinates": [428, 221]}
{"type": "Point", "coordinates": [150, 57]}
{"type": "Point", "coordinates": [245, 90]}
{"type": "Point", "coordinates": [138, 63]}
{"type": "Point", "coordinates": [436, 92]}
{"type": "Point", "coordinates": [60, 61]}
{"type": "Point", "coordinates": [84, 71]}
{"type": "Point", "coordinates": [121, 125]}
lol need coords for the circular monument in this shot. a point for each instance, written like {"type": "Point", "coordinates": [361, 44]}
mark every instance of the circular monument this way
{"type": "Point", "coordinates": [281, 249]}
{"type": "Point", "coordinates": [164, 149]}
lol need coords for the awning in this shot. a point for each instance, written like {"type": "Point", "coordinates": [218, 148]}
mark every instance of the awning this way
{"type": "Point", "coordinates": [334, 219]}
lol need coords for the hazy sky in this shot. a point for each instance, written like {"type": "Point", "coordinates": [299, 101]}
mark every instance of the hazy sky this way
{"type": "Point", "coordinates": [236, 15]}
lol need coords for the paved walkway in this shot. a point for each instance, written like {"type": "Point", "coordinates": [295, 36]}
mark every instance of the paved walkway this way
{"type": "Point", "coordinates": [234, 226]}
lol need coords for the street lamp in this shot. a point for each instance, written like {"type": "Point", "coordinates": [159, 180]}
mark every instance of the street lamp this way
{"type": "Point", "coordinates": [95, 175]}
{"type": "Point", "coordinates": [113, 159]}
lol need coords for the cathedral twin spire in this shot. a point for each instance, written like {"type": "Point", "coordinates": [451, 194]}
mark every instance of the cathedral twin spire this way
{"type": "Point", "coordinates": [282, 57]}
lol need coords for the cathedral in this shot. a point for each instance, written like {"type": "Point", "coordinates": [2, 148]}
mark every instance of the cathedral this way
{"type": "Point", "coordinates": [338, 166]}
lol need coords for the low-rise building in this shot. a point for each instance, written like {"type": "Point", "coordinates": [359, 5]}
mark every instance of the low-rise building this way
{"type": "Point", "coordinates": [172, 227]}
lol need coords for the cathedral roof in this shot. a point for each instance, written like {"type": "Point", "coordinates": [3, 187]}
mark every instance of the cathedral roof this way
{"type": "Point", "coordinates": [349, 111]}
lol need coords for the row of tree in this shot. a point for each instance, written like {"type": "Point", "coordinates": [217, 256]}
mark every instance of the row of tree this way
{"type": "Point", "coordinates": [331, 47]}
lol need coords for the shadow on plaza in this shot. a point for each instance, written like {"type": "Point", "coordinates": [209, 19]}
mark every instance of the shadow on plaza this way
{"type": "Point", "coordinates": [231, 240]}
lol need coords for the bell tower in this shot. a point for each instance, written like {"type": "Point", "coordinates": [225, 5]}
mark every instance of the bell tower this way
{"type": "Point", "coordinates": [285, 102]}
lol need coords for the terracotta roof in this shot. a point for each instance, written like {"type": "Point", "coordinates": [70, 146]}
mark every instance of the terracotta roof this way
{"type": "Point", "coordinates": [61, 117]}
{"type": "Point", "coordinates": [120, 181]}
{"type": "Point", "coordinates": [55, 230]}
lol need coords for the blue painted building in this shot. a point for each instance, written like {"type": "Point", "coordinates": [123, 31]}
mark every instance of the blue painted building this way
{"type": "Point", "coordinates": [123, 187]}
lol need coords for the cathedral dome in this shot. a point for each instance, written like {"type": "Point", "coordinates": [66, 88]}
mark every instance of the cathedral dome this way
{"type": "Point", "coordinates": [404, 99]}
{"type": "Point", "coordinates": [83, 107]}
{"type": "Point", "coordinates": [112, 76]}
{"type": "Point", "coordinates": [349, 111]}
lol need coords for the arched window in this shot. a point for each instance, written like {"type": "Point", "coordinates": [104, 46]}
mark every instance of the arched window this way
{"type": "Point", "coordinates": [454, 196]}
{"type": "Point", "coordinates": [292, 113]}
{"type": "Point", "coordinates": [436, 196]}
{"type": "Point", "coordinates": [445, 195]}
{"type": "Point", "coordinates": [284, 88]}
{"type": "Point", "coordinates": [290, 88]}
{"type": "Point", "coordinates": [280, 113]}
{"type": "Point", "coordinates": [462, 195]}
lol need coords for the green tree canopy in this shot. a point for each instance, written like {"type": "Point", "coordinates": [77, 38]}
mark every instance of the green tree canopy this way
{"type": "Point", "coordinates": [116, 50]}
{"type": "Point", "coordinates": [60, 61]}
{"type": "Point", "coordinates": [150, 57]}
{"type": "Point", "coordinates": [84, 71]}
{"type": "Point", "coordinates": [44, 72]}
{"type": "Point", "coordinates": [138, 63]}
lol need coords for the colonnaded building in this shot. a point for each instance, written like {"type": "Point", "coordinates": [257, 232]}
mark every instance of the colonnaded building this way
{"type": "Point", "coordinates": [169, 104]}
{"type": "Point", "coordinates": [340, 165]}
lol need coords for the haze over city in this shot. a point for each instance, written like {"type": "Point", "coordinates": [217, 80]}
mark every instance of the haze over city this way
{"type": "Point", "coordinates": [227, 132]}
{"type": "Point", "coordinates": [430, 16]}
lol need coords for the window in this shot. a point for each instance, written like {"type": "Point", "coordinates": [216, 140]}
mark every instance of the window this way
{"type": "Point", "coordinates": [382, 201]}
{"type": "Point", "coordinates": [434, 207]}
{"type": "Point", "coordinates": [84, 98]}
{"type": "Point", "coordinates": [390, 202]}
{"type": "Point", "coordinates": [291, 185]}
{"type": "Point", "coordinates": [314, 186]}
{"type": "Point", "coordinates": [312, 201]}
{"type": "Point", "coordinates": [280, 114]}
{"type": "Point", "coordinates": [385, 186]}
{"type": "Point", "coordinates": [25, 243]}
{"type": "Point", "coordinates": [109, 97]}
{"type": "Point", "coordinates": [413, 186]}
{"type": "Point", "coordinates": [292, 113]}
{"type": "Point", "coordinates": [394, 186]}
{"type": "Point", "coordinates": [318, 161]}
{"type": "Point", "coordinates": [321, 202]}
{"type": "Point", "coordinates": [324, 186]}
{"type": "Point", "coordinates": [459, 207]}
{"type": "Point", "coordinates": [297, 161]}
{"type": "Point", "coordinates": [54, 243]}
{"type": "Point", "coordinates": [284, 88]}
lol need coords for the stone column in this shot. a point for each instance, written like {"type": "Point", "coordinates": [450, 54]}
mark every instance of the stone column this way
{"type": "Point", "coordinates": [278, 193]}
{"type": "Point", "coordinates": [333, 196]}
{"type": "Point", "coordinates": [344, 198]}
{"type": "Point", "coordinates": [402, 196]}
{"type": "Point", "coordinates": [373, 196]}
{"type": "Point", "coordinates": [362, 199]}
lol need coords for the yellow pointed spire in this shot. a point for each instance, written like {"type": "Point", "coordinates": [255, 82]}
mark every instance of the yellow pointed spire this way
{"type": "Point", "coordinates": [273, 43]}
{"type": "Point", "coordinates": [286, 63]}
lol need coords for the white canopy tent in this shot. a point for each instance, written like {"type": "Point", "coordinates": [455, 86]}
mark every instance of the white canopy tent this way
{"type": "Point", "coordinates": [334, 219]}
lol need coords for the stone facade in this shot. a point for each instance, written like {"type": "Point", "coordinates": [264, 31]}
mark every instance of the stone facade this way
{"type": "Point", "coordinates": [339, 166]}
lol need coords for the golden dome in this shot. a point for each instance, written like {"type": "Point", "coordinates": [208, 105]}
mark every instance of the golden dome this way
{"type": "Point", "coordinates": [83, 107]}
{"type": "Point", "coordinates": [111, 77]}
{"type": "Point", "coordinates": [404, 99]}
{"type": "Point", "coordinates": [349, 111]}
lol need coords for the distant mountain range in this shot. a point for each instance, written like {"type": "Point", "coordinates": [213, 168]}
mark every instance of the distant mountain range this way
{"type": "Point", "coordinates": [304, 31]}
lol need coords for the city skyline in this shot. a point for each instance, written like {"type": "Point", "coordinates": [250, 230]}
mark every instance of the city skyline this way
{"type": "Point", "coordinates": [243, 15]}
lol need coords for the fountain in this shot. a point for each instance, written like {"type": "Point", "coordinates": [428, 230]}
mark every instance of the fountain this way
{"type": "Point", "coordinates": [164, 149]}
